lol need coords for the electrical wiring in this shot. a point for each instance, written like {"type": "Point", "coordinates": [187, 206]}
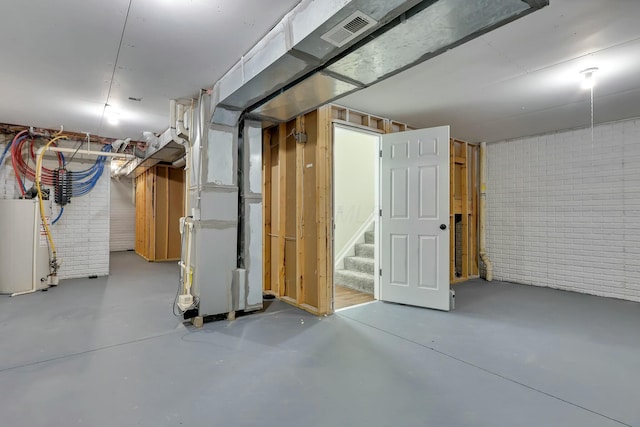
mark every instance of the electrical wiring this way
{"type": "Point", "coordinates": [22, 168]}
{"type": "Point", "coordinates": [83, 181]}
{"type": "Point", "coordinates": [58, 217]}
{"type": "Point", "coordinates": [8, 146]}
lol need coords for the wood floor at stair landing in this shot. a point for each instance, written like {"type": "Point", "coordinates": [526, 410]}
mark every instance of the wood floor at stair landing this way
{"type": "Point", "coordinates": [345, 297]}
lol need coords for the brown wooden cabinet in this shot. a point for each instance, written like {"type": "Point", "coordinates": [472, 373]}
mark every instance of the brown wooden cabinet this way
{"type": "Point", "coordinates": [159, 206]}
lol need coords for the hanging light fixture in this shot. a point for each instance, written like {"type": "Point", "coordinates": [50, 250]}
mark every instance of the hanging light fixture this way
{"type": "Point", "coordinates": [588, 79]}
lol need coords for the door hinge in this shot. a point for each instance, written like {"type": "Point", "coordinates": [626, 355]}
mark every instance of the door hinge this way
{"type": "Point", "coordinates": [380, 272]}
{"type": "Point", "coordinates": [380, 153]}
{"type": "Point", "coordinates": [380, 212]}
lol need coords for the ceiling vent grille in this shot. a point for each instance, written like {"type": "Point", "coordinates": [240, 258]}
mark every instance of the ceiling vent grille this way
{"type": "Point", "coordinates": [349, 29]}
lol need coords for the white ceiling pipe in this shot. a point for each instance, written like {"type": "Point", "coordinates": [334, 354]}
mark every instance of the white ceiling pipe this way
{"type": "Point", "coordinates": [181, 162]}
{"type": "Point", "coordinates": [89, 152]}
{"type": "Point", "coordinates": [180, 121]}
{"type": "Point", "coordinates": [172, 124]}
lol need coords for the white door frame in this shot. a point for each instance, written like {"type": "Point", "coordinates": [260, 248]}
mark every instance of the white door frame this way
{"type": "Point", "coordinates": [376, 275]}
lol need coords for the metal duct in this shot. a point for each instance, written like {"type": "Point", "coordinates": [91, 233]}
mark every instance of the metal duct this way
{"type": "Point", "coordinates": [423, 32]}
{"type": "Point", "coordinates": [294, 48]}
{"type": "Point", "coordinates": [295, 69]}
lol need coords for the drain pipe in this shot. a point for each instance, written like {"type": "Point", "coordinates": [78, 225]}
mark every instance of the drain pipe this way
{"type": "Point", "coordinates": [173, 124]}
{"type": "Point", "coordinates": [488, 266]}
{"type": "Point", "coordinates": [181, 130]}
{"type": "Point", "coordinates": [177, 128]}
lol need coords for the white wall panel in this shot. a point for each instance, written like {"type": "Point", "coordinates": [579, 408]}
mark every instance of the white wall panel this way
{"type": "Point", "coordinates": [122, 236]}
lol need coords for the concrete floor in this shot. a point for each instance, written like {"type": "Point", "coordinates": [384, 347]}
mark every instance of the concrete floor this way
{"type": "Point", "coordinates": [108, 352]}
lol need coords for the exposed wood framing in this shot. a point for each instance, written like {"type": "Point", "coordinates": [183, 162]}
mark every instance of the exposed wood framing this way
{"type": "Point", "coordinates": [71, 136]}
{"type": "Point", "coordinates": [464, 203]}
{"type": "Point", "coordinates": [159, 206]}
{"type": "Point", "coordinates": [452, 213]}
{"type": "Point", "coordinates": [298, 204]}
{"type": "Point", "coordinates": [300, 238]}
{"type": "Point", "coordinates": [324, 208]}
{"type": "Point", "coordinates": [282, 211]}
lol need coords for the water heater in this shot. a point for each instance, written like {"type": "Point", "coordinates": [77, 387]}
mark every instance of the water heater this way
{"type": "Point", "coordinates": [24, 253]}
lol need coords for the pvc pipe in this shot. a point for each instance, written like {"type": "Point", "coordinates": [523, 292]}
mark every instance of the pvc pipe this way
{"type": "Point", "coordinates": [172, 124]}
{"type": "Point", "coordinates": [180, 121]}
{"type": "Point", "coordinates": [488, 266]}
{"type": "Point", "coordinates": [180, 162]}
{"type": "Point", "coordinates": [187, 283]}
{"type": "Point", "coordinates": [89, 152]}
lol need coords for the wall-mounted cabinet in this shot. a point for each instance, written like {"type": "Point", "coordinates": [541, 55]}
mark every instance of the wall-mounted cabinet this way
{"type": "Point", "coordinates": [159, 206]}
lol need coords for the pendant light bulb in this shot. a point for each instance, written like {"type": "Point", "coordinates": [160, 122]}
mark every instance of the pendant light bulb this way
{"type": "Point", "coordinates": [588, 79]}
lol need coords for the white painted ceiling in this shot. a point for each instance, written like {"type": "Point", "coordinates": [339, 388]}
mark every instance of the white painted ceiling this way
{"type": "Point", "coordinates": [58, 57]}
{"type": "Point", "coordinates": [522, 79]}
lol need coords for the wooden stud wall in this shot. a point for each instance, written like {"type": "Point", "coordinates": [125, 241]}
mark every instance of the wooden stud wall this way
{"type": "Point", "coordinates": [294, 217]}
{"type": "Point", "coordinates": [159, 206]}
{"type": "Point", "coordinates": [298, 211]}
{"type": "Point", "coordinates": [297, 205]}
{"type": "Point", "coordinates": [464, 170]}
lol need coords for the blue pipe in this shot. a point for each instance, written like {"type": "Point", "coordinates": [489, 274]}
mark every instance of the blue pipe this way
{"type": "Point", "coordinates": [58, 217]}
{"type": "Point", "coordinates": [4, 153]}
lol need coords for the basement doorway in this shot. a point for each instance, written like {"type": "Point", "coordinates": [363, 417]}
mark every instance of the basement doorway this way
{"type": "Point", "coordinates": [356, 189]}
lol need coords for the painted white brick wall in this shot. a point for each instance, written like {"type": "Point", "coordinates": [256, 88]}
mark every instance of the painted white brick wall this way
{"type": "Point", "coordinates": [122, 233]}
{"type": "Point", "coordinates": [82, 234]}
{"type": "Point", "coordinates": [565, 213]}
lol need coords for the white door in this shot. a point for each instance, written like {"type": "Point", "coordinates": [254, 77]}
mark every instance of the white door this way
{"type": "Point", "coordinates": [415, 218]}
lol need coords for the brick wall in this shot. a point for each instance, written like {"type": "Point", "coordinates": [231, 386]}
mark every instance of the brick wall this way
{"type": "Point", "coordinates": [8, 189]}
{"type": "Point", "coordinates": [82, 234]}
{"type": "Point", "coordinates": [565, 213]}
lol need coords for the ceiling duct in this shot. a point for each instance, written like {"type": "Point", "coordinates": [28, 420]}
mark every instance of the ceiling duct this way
{"type": "Point", "coordinates": [295, 47]}
{"type": "Point", "coordinates": [325, 49]}
{"type": "Point", "coordinates": [349, 29]}
{"type": "Point", "coordinates": [166, 148]}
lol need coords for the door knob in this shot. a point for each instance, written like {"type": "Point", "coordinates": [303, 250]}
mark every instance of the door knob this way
{"type": "Point", "coordinates": [443, 226]}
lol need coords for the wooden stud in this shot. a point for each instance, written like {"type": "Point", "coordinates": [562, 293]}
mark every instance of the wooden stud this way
{"type": "Point", "coordinates": [282, 219]}
{"type": "Point", "coordinates": [464, 198]}
{"type": "Point", "coordinates": [452, 212]}
{"type": "Point", "coordinates": [167, 226]}
{"type": "Point", "coordinates": [152, 206]}
{"type": "Point", "coordinates": [300, 252]}
{"type": "Point", "coordinates": [475, 270]}
{"type": "Point", "coordinates": [323, 206]}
